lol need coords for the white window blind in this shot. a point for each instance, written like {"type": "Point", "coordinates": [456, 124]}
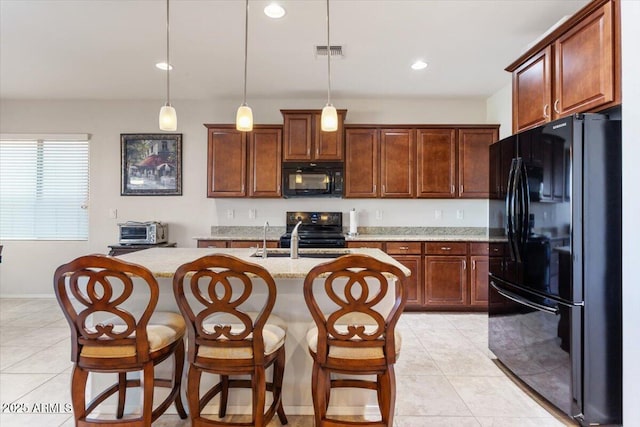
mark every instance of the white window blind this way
{"type": "Point", "coordinates": [44, 187]}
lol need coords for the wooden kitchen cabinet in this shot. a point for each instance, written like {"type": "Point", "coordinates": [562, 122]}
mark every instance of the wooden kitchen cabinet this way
{"type": "Point", "coordinates": [409, 254]}
{"type": "Point", "coordinates": [445, 273]}
{"type": "Point", "coordinates": [212, 243]}
{"type": "Point", "coordinates": [436, 172]}
{"type": "Point", "coordinates": [361, 162]}
{"type": "Point", "coordinates": [366, 244]}
{"type": "Point", "coordinates": [265, 154]}
{"type": "Point", "coordinates": [479, 274]}
{"type": "Point", "coordinates": [235, 158]}
{"type": "Point", "coordinates": [576, 68]}
{"type": "Point", "coordinates": [473, 161]}
{"type": "Point", "coordinates": [226, 162]}
{"type": "Point", "coordinates": [397, 163]}
{"type": "Point", "coordinates": [235, 243]}
{"type": "Point", "coordinates": [304, 139]}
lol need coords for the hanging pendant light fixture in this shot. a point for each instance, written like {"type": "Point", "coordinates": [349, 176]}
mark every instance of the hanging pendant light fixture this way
{"type": "Point", "coordinates": [244, 116]}
{"type": "Point", "coordinates": [329, 118]}
{"type": "Point", "coordinates": [168, 120]}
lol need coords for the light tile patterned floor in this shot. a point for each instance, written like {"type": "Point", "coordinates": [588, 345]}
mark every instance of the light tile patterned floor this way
{"type": "Point", "coordinates": [445, 375]}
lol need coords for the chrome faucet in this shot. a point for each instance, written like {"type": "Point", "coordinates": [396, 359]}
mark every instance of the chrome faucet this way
{"type": "Point", "coordinates": [264, 239]}
{"type": "Point", "coordinates": [294, 241]}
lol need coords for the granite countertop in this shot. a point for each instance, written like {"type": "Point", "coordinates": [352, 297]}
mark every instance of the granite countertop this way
{"type": "Point", "coordinates": [163, 262]}
{"type": "Point", "coordinates": [404, 234]}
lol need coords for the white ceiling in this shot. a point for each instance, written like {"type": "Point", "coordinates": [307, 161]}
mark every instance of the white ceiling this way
{"type": "Point", "coordinates": [106, 49]}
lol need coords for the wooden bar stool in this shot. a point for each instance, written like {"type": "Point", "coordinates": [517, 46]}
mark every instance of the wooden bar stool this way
{"type": "Point", "coordinates": [93, 286]}
{"type": "Point", "coordinates": [355, 338]}
{"type": "Point", "coordinates": [226, 339]}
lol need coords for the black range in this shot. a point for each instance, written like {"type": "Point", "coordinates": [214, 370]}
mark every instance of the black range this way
{"type": "Point", "coordinates": [318, 230]}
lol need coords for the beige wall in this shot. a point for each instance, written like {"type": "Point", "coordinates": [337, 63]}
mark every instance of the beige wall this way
{"type": "Point", "coordinates": [192, 214]}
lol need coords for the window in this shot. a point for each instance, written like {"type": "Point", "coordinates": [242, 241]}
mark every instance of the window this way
{"type": "Point", "coordinates": [44, 187]}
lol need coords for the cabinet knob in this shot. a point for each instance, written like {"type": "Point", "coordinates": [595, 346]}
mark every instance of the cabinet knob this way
{"type": "Point", "coordinates": [404, 248]}
{"type": "Point", "coordinates": [473, 264]}
{"type": "Point", "coordinates": [555, 106]}
{"type": "Point", "coordinates": [464, 265]}
{"type": "Point", "coordinates": [445, 248]}
{"type": "Point", "coordinates": [453, 189]}
{"type": "Point", "coordinates": [545, 114]}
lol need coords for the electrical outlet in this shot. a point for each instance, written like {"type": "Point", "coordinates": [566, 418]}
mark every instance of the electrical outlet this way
{"type": "Point", "coordinates": [113, 213]}
{"type": "Point", "coordinates": [460, 214]}
{"type": "Point", "coordinates": [252, 214]}
{"type": "Point", "coordinates": [438, 214]}
{"type": "Point", "coordinates": [378, 214]}
{"type": "Point", "coordinates": [230, 213]}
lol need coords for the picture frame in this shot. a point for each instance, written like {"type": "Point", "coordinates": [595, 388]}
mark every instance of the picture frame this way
{"type": "Point", "coordinates": [151, 164]}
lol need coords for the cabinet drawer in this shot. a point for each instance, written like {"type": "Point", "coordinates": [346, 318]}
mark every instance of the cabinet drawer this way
{"type": "Point", "coordinates": [374, 245]}
{"type": "Point", "coordinates": [479, 248]}
{"type": "Point", "coordinates": [401, 248]}
{"type": "Point", "coordinates": [496, 249]}
{"type": "Point", "coordinates": [212, 243]}
{"type": "Point", "coordinates": [446, 248]}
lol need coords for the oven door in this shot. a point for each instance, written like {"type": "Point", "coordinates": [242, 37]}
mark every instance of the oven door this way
{"type": "Point", "coordinates": [539, 340]}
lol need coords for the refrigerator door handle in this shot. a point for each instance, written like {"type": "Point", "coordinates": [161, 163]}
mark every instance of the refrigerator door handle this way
{"type": "Point", "coordinates": [517, 202]}
{"type": "Point", "coordinates": [520, 300]}
{"type": "Point", "coordinates": [525, 204]}
{"type": "Point", "coordinates": [509, 201]}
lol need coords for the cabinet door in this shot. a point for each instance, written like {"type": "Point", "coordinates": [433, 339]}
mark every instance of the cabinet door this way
{"type": "Point", "coordinates": [479, 284]}
{"type": "Point", "coordinates": [584, 64]}
{"type": "Point", "coordinates": [297, 136]}
{"type": "Point", "coordinates": [413, 283]}
{"type": "Point", "coordinates": [532, 91]}
{"type": "Point", "coordinates": [329, 145]}
{"type": "Point", "coordinates": [446, 281]}
{"type": "Point", "coordinates": [212, 243]}
{"type": "Point", "coordinates": [361, 163]}
{"type": "Point", "coordinates": [473, 161]}
{"type": "Point", "coordinates": [397, 163]}
{"type": "Point", "coordinates": [436, 163]}
{"type": "Point", "coordinates": [265, 171]}
{"type": "Point", "coordinates": [226, 163]}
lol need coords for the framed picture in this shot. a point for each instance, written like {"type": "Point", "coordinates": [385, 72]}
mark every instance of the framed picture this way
{"type": "Point", "coordinates": [151, 164]}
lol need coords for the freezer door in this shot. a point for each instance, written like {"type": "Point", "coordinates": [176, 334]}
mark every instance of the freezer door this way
{"type": "Point", "coordinates": [538, 340]}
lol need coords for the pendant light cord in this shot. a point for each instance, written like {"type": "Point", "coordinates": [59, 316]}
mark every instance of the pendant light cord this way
{"type": "Point", "coordinates": [168, 63]}
{"type": "Point", "coordinates": [246, 39]}
{"type": "Point", "coordinates": [328, 60]}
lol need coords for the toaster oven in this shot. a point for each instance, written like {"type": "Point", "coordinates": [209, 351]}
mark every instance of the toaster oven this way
{"type": "Point", "coordinates": [148, 233]}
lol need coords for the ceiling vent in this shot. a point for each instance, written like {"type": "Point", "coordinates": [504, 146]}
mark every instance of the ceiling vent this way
{"type": "Point", "coordinates": [336, 51]}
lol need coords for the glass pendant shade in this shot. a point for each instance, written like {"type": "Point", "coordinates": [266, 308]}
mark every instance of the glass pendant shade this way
{"type": "Point", "coordinates": [168, 119]}
{"type": "Point", "coordinates": [244, 118]}
{"type": "Point", "coordinates": [329, 119]}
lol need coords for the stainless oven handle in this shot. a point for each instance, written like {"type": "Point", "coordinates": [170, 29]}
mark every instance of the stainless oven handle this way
{"type": "Point", "coordinates": [516, 298]}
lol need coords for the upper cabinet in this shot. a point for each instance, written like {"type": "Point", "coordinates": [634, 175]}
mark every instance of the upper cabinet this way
{"type": "Point", "coordinates": [576, 68]}
{"type": "Point", "coordinates": [415, 161]}
{"type": "Point", "coordinates": [241, 164]}
{"type": "Point", "coordinates": [304, 140]}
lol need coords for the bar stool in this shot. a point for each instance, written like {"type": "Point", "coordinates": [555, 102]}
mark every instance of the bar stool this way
{"type": "Point", "coordinates": [226, 339]}
{"type": "Point", "coordinates": [95, 285]}
{"type": "Point", "coordinates": [357, 337]}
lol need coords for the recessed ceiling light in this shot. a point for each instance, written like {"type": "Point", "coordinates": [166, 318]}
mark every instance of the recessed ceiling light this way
{"type": "Point", "coordinates": [419, 65]}
{"type": "Point", "coordinates": [274, 10]}
{"type": "Point", "coordinates": [164, 66]}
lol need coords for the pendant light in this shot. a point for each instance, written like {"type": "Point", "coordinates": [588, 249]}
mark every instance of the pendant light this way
{"type": "Point", "coordinates": [329, 118]}
{"type": "Point", "coordinates": [244, 116]}
{"type": "Point", "coordinates": [168, 120]}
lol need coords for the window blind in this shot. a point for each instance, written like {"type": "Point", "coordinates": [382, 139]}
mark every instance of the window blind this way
{"type": "Point", "coordinates": [44, 188]}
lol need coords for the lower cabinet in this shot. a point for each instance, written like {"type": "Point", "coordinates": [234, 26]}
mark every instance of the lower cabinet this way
{"type": "Point", "coordinates": [445, 267]}
{"type": "Point", "coordinates": [444, 275]}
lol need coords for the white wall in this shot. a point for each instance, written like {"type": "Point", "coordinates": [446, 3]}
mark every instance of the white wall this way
{"type": "Point", "coordinates": [499, 108]}
{"type": "Point", "coordinates": [630, 210]}
{"type": "Point", "coordinates": [193, 214]}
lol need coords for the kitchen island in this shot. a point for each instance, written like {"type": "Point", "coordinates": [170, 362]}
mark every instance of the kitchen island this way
{"type": "Point", "coordinates": [290, 306]}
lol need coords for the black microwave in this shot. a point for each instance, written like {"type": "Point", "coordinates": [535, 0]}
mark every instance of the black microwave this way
{"type": "Point", "coordinates": [312, 179]}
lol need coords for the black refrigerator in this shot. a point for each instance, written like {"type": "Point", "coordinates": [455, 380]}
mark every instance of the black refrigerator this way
{"type": "Point", "coordinates": [555, 268]}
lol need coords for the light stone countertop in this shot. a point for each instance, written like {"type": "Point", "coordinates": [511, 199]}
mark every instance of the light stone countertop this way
{"type": "Point", "coordinates": [163, 262]}
{"type": "Point", "coordinates": [376, 237]}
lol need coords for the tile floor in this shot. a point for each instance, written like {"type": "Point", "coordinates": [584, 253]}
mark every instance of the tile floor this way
{"type": "Point", "coordinates": [445, 375]}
